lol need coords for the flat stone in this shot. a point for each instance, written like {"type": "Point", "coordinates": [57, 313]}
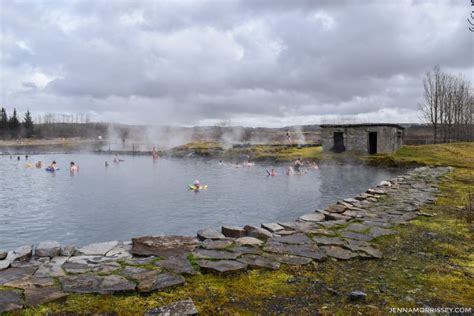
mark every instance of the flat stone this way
{"type": "Point", "coordinates": [408, 216]}
{"type": "Point", "coordinates": [356, 227]}
{"type": "Point", "coordinates": [90, 259]}
{"type": "Point", "coordinates": [306, 250]}
{"type": "Point", "coordinates": [313, 217]}
{"type": "Point", "coordinates": [245, 250]}
{"type": "Point", "coordinates": [177, 264]}
{"type": "Point", "coordinates": [335, 241]}
{"type": "Point", "coordinates": [248, 241]}
{"type": "Point", "coordinates": [351, 201]}
{"type": "Point", "coordinates": [121, 251]}
{"type": "Point", "coordinates": [96, 284]}
{"type": "Point", "coordinates": [353, 214]}
{"type": "Point", "coordinates": [3, 254]}
{"type": "Point", "coordinates": [355, 245]}
{"type": "Point", "coordinates": [161, 281]}
{"type": "Point", "coordinates": [48, 249]}
{"type": "Point", "coordinates": [378, 232]}
{"type": "Point", "coordinates": [98, 248]}
{"type": "Point", "coordinates": [336, 208]}
{"type": "Point", "coordinates": [357, 236]}
{"type": "Point", "coordinates": [52, 268]}
{"type": "Point", "coordinates": [345, 204]}
{"type": "Point", "coordinates": [376, 192]}
{"type": "Point", "coordinates": [216, 244]}
{"type": "Point", "coordinates": [163, 246]}
{"type": "Point", "coordinates": [371, 252]}
{"type": "Point", "coordinates": [14, 273]}
{"type": "Point", "coordinates": [296, 239]}
{"type": "Point", "coordinates": [184, 307]}
{"type": "Point", "coordinates": [302, 227]}
{"type": "Point", "coordinates": [357, 296]}
{"type": "Point", "coordinates": [10, 301]}
{"type": "Point", "coordinates": [286, 232]}
{"type": "Point", "coordinates": [38, 296]}
{"type": "Point", "coordinates": [209, 234]}
{"type": "Point", "coordinates": [23, 253]}
{"type": "Point", "coordinates": [6, 262]}
{"type": "Point", "coordinates": [222, 266]}
{"type": "Point", "coordinates": [30, 282]}
{"type": "Point", "coordinates": [139, 274]}
{"type": "Point", "coordinates": [106, 268]}
{"type": "Point", "coordinates": [257, 232]}
{"type": "Point", "coordinates": [68, 250]}
{"type": "Point", "coordinates": [214, 254]}
{"type": "Point", "coordinates": [75, 267]}
{"type": "Point", "coordinates": [338, 252]}
{"type": "Point", "coordinates": [333, 223]}
{"type": "Point", "coordinates": [259, 262]}
{"type": "Point", "coordinates": [273, 227]}
{"type": "Point", "coordinates": [290, 260]}
{"type": "Point", "coordinates": [30, 263]}
{"type": "Point", "coordinates": [337, 217]}
{"type": "Point", "coordinates": [139, 261]}
{"type": "Point", "coordinates": [233, 231]}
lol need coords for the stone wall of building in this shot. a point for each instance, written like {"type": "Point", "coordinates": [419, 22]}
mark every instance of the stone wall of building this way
{"type": "Point", "coordinates": [356, 138]}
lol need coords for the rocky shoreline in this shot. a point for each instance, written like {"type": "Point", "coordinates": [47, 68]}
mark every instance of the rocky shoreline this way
{"type": "Point", "coordinates": [46, 272]}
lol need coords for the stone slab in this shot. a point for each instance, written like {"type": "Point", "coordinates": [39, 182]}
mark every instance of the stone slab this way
{"type": "Point", "coordinates": [177, 264]}
{"type": "Point", "coordinates": [10, 301]}
{"type": "Point", "coordinates": [38, 296]}
{"type": "Point", "coordinates": [222, 266]}
{"type": "Point", "coordinates": [48, 249]}
{"type": "Point", "coordinates": [161, 281]}
{"type": "Point", "coordinates": [100, 248]}
{"type": "Point", "coordinates": [163, 246]}
{"type": "Point", "coordinates": [96, 284]}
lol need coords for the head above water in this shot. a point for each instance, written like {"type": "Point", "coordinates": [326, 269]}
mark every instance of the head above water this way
{"type": "Point", "coordinates": [196, 182]}
{"type": "Point", "coordinates": [72, 163]}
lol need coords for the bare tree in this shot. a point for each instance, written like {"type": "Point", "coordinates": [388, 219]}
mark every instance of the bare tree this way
{"type": "Point", "coordinates": [447, 106]}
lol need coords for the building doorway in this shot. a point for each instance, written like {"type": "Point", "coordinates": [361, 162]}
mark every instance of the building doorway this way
{"type": "Point", "coordinates": [372, 143]}
{"type": "Point", "coordinates": [338, 142]}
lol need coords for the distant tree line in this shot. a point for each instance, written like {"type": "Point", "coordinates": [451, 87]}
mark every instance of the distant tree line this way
{"type": "Point", "coordinates": [448, 106]}
{"type": "Point", "coordinates": [14, 127]}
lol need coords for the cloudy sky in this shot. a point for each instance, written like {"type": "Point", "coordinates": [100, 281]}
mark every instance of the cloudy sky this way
{"type": "Point", "coordinates": [255, 62]}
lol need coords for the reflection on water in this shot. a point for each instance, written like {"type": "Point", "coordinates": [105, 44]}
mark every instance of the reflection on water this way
{"type": "Point", "coordinates": [138, 197]}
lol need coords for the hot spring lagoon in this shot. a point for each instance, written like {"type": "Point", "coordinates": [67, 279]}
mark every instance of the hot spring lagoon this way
{"type": "Point", "coordinates": [140, 196]}
{"type": "Point", "coordinates": [428, 262]}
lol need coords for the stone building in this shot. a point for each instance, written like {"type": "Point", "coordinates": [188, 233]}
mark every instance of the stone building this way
{"type": "Point", "coordinates": [368, 138]}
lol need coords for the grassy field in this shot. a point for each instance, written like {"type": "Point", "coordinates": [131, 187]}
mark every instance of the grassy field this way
{"type": "Point", "coordinates": [429, 263]}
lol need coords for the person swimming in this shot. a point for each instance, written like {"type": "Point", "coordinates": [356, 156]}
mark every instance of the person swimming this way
{"type": "Point", "coordinates": [116, 159]}
{"type": "Point", "coordinates": [197, 185]}
{"type": "Point", "coordinates": [297, 165]}
{"type": "Point", "coordinates": [38, 164]}
{"type": "Point", "coordinates": [18, 158]}
{"type": "Point", "coordinates": [52, 166]}
{"type": "Point", "coordinates": [271, 173]}
{"type": "Point", "coordinates": [106, 163]}
{"type": "Point", "coordinates": [290, 171]}
{"type": "Point", "coordinates": [73, 167]}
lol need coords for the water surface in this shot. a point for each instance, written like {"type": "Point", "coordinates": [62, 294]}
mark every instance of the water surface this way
{"type": "Point", "coordinates": [139, 197]}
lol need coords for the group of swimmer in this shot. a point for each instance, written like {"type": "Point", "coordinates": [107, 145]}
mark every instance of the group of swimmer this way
{"type": "Point", "coordinates": [295, 169]}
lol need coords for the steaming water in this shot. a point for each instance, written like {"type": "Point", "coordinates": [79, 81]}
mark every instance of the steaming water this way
{"type": "Point", "coordinates": [139, 197]}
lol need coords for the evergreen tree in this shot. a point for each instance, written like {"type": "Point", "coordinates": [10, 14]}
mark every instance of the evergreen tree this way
{"type": "Point", "coordinates": [28, 124]}
{"type": "Point", "coordinates": [14, 124]}
{"type": "Point", "coordinates": [3, 123]}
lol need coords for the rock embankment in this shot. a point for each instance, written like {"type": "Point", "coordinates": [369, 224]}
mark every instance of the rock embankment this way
{"type": "Point", "coordinates": [32, 275]}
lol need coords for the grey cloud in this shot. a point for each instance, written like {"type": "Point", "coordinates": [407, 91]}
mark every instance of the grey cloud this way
{"type": "Point", "coordinates": [197, 60]}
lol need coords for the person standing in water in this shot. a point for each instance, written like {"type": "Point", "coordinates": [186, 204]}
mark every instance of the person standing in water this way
{"type": "Point", "coordinates": [38, 164]}
{"type": "Point", "coordinates": [297, 165]}
{"type": "Point", "coordinates": [288, 138]}
{"type": "Point", "coordinates": [154, 153]}
{"type": "Point", "coordinates": [73, 167]}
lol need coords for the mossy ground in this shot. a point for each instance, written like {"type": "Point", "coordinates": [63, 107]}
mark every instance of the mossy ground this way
{"type": "Point", "coordinates": [430, 262]}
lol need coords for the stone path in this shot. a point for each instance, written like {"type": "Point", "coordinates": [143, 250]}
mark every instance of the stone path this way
{"type": "Point", "coordinates": [46, 272]}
